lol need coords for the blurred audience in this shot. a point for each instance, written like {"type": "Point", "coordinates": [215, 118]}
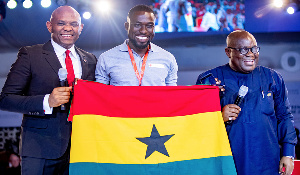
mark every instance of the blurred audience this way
{"type": "Point", "coordinates": [209, 21]}
{"type": "Point", "coordinates": [187, 15]}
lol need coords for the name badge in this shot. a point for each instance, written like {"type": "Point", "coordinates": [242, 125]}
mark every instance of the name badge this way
{"type": "Point", "coordinates": [157, 65]}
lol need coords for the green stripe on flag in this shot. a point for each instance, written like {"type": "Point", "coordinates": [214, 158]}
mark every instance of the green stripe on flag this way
{"type": "Point", "coordinates": [223, 165]}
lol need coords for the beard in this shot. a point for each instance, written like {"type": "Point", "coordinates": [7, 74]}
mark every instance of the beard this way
{"type": "Point", "coordinates": [138, 46]}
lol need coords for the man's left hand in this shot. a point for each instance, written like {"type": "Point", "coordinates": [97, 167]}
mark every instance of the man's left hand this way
{"type": "Point", "coordinates": [288, 164]}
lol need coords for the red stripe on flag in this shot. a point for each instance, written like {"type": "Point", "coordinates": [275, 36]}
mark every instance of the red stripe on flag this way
{"type": "Point", "coordinates": [143, 101]}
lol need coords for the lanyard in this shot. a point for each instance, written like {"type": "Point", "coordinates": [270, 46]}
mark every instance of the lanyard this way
{"type": "Point", "coordinates": [139, 76]}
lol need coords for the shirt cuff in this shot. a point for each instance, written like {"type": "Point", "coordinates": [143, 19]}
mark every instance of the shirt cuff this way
{"type": "Point", "coordinates": [46, 106]}
{"type": "Point", "coordinates": [291, 157]}
{"type": "Point", "coordinates": [288, 150]}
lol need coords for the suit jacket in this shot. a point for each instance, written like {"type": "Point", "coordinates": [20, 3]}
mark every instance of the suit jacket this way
{"type": "Point", "coordinates": [32, 76]}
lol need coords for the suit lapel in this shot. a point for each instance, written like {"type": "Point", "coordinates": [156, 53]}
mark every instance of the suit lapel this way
{"type": "Point", "coordinates": [84, 63]}
{"type": "Point", "coordinates": [50, 56]}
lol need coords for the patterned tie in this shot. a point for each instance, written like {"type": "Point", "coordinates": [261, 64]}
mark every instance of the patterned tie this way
{"type": "Point", "coordinates": [69, 66]}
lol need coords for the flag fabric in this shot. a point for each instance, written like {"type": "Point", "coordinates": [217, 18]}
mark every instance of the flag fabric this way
{"type": "Point", "coordinates": [157, 130]}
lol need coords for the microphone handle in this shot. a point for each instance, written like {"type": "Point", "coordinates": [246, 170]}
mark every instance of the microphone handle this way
{"type": "Point", "coordinates": [238, 100]}
{"type": "Point", "coordinates": [63, 83]}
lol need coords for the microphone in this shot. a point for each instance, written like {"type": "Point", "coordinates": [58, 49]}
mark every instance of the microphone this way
{"type": "Point", "coordinates": [62, 74]}
{"type": "Point", "coordinates": [242, 93]}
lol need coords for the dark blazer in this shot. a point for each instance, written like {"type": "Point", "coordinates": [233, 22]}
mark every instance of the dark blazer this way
{"type": "Point", "coordinates": [32, 76]}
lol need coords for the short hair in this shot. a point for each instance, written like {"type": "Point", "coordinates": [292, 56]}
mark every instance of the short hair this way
{"type": "Point", "coordinates": [238, 34]}
{"type": "Point", "coordinates": [139, 8]}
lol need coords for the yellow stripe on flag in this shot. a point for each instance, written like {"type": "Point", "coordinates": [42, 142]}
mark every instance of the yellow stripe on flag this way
{"type": "Point", "coordinates": [102, 139]}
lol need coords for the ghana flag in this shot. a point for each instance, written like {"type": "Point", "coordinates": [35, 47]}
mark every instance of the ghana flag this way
{"type": "Point", "coordinates": [155, 130]}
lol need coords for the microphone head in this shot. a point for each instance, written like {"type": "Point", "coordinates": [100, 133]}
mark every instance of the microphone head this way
{"type": "Point", "coordinates": [62, 74]}
{"type": "Point", "coordinates": [243, 91]}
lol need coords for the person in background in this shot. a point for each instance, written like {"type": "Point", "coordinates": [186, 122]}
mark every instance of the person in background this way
{"type": "Point", "coordinates": [209, 22]}
{"type": "Point", "coordinates": [14, 167]}
{"type": "Point", "coordinates": [33, 88]}
{"type": "Point", "coordinates": [260, 130]}
{"type": "Point", "coordinates": [173, 15]}
{"type": "Point", "coordinates": [137, 62]}
{"type": "Point", "coordinates": [162, 25]}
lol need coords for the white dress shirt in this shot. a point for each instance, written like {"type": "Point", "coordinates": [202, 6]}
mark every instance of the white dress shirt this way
{"type": "Point", "coordinates": [61, 55]}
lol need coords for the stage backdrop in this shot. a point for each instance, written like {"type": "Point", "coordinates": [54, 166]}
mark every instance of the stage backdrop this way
{"type": "Point", "coordinates": [148, 130]}
{"type": "Point", "coordinates": [294, 98]}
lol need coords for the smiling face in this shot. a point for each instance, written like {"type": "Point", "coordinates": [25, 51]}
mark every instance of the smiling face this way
{"type": "Point", "coordinates": [65, 26]}
{"type": "Point", "coordinates": [140, 29]}
{"type": "Point", "coordinates": [237, 61]}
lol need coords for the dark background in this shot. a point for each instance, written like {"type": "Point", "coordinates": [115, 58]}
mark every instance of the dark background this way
{"type": "Point", "coordinates": [103, 31]}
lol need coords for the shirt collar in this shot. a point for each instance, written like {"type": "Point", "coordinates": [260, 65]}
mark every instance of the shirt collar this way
{"type": "Point", "coordinates": [59, 50]}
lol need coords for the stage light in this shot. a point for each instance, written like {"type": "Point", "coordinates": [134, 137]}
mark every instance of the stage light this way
{"type": "Point", "coordinates": [85, 10]}
{"type": "Point", "coordinates": [46, 3]}
{"type": "Point", "coordinates": [278, 3]}
{"type": "Point", "coordinates": [27, 4]}
{"type": "Point", "coordinates": [11, 4]}
{"type": "Point", "coordinates": [87, 15]}
{"type": "Point", "coordinates": [289, 6]}
{"type": "Point", "coordinates": [292, 8]}
{"type": "Point", "coordinates": [103, 6]}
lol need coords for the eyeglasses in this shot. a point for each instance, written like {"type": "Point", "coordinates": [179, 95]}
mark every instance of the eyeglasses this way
{"type": "Point", "coordinates": [245, 50]}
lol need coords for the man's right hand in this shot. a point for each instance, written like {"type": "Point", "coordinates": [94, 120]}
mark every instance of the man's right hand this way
{"type": "Point", "coordinates": [59, 96]}
{"type": "Point", "coordinates": [230, 112]}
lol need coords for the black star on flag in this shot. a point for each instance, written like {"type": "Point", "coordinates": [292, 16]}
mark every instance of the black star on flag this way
{"type": "Point", "coordinates": [155, 142]}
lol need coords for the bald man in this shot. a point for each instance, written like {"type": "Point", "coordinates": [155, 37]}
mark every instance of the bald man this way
{"type": "Point", "coordinates": [33, 88]}
{"type": "Point", "coordinates": [260, 130]}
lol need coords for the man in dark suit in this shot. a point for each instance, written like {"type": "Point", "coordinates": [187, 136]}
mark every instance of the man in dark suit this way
{"type": "Point", "coordinates": [33, 88]}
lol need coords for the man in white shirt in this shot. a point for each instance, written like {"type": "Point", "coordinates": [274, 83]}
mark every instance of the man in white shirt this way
{"type": "Point", "coordinates": [209, 22]}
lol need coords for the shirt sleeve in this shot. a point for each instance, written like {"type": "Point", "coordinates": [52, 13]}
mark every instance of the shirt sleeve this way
{"type": "Point", "coordinates": [286, 132]}
{"type": "Point", "coordinates": [101, 73]}
{"type": "Point", "coordinates": [172, 77]}
{"type": "Point", "coordinates": [46, 106]}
